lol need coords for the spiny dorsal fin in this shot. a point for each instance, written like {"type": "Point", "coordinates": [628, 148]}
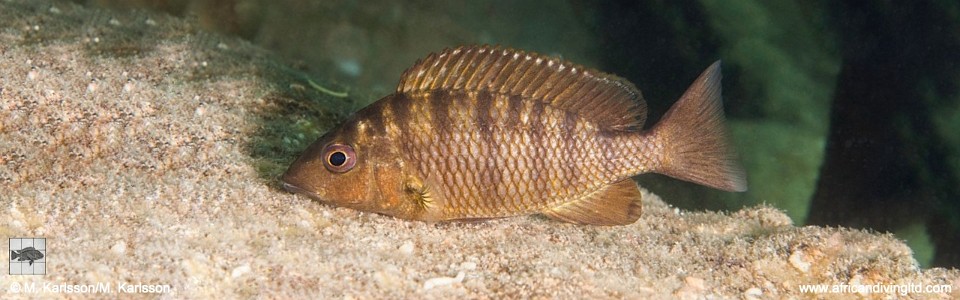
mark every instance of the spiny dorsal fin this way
{"type": "Point", "coordinates": [609, 101]}
{"type": "Point", "coordinates": [615, 204]}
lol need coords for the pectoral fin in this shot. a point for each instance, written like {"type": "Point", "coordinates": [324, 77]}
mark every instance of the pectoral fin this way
{"type": "Point", "coordinates": [615, 204]}
{"type": "Point", "coordinates": [418, 192]}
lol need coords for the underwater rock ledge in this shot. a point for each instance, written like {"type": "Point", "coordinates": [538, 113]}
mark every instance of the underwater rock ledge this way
{"type": "Point", "coordinates": [145, 152]}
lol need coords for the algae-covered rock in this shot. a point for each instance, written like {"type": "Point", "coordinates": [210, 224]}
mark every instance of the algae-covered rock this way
{"type": "Point", "coordinates": [145, 151]}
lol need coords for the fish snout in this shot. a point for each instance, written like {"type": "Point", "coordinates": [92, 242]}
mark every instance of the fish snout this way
{"type": "Point", "coordinates": [293, 185]}
{"type": "Point", "coordinates": [291, 182]}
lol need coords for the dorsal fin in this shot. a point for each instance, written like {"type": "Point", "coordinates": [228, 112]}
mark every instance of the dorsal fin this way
{"type": "Point", "coordinates": [607, 100]}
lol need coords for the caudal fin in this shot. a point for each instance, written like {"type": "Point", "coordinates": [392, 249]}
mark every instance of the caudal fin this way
{"type": "Point", "coordinates": [694, 138]}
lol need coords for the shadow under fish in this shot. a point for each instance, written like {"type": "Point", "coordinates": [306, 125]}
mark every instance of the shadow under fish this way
{"type": "Point", "coordinates": [482, 132]}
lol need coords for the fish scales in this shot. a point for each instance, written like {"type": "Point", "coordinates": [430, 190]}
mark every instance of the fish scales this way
{"type": "Point", "coordinates": [470, 131]}
{"type": "Point", "coordinates": [516, 187]}
{"type": "Point", "coordinates": [482, 132]}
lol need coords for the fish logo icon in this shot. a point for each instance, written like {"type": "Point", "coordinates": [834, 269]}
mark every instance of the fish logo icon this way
{"type": "Point", "coordinates": [28, 254]}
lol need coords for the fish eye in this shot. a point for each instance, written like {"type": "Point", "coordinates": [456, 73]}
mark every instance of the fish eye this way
{"type": "Point", "coordinates": [339, 158]}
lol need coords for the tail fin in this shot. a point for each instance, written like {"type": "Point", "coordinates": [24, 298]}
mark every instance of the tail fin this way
{"type": "Point", "coordinates": [13, 255]}
{"type": "Point", "coordinates": [694, 138]}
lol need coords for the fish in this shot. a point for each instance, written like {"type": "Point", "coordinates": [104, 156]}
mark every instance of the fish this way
{"type": "Point", "coordinates": [29, 253]}
{"type": "Point", "coordinates": [484, 132]}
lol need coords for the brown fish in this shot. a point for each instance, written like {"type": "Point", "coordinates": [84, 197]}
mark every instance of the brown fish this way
{"type": "Point", "coordinates": [482, 132]}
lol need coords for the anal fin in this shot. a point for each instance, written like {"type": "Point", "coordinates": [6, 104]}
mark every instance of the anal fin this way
{"type": "Point", "coordinates": [615, 204]}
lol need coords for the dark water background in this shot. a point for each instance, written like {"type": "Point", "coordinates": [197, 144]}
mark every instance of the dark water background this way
{"type": "Point", "coordinates": [845, 113]}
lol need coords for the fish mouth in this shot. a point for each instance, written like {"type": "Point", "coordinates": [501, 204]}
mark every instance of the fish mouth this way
{"type": "Point", "coordinates": [298, 190]}
{"type": "Point", "coordinates": [292, 188]}
{"type": "Point", "coordinates": [316, 197]}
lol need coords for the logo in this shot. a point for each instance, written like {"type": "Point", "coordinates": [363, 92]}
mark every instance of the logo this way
{"type": "Point", "coordinates": [28, 256]}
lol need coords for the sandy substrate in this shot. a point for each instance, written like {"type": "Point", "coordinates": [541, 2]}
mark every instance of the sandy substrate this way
{"type": "Point", "coordinates": [145, 152]}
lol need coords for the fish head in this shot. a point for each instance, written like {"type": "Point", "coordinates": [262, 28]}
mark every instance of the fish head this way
{"type": "Point", "coordinates": [351, 166]}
